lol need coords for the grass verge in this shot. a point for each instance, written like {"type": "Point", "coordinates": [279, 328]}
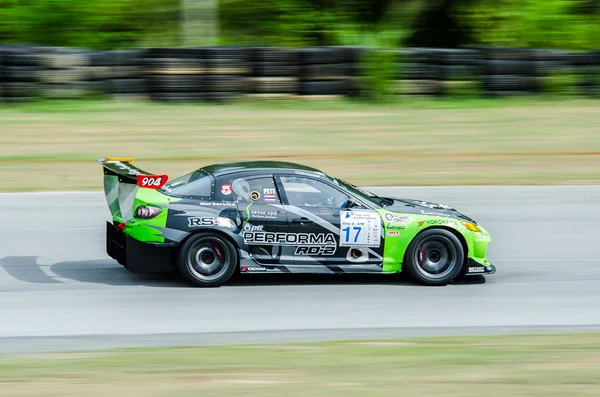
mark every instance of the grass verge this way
{"type": "Point", "coordinates": [52, 146]}
{"type": "Point", "coordinates": [494, 366]}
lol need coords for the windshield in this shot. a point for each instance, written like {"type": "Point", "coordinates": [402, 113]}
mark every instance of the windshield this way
{"type": "Point", "coordinates": [195, 183]}
{"type": "Point", "coordinates": [365, 194]}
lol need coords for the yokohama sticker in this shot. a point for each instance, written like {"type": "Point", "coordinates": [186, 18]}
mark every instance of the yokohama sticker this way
{"type": "Point", "coordinates": [226, 190]}
{"type": "Point", "coordinates": [437, 222]}
{"type": "Point", "coordinates": [253, 269]}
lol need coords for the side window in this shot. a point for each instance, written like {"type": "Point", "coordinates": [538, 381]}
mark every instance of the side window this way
{"type": "Point", "coordinates": [257, 190]}
{"type": "Point", "coordinates": [304, 192]}
{"type": "Point", "coordinates": [196, 184]}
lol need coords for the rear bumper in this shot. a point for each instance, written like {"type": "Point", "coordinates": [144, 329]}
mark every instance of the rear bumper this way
{"type": "Point", "coordinates": [136, 256]}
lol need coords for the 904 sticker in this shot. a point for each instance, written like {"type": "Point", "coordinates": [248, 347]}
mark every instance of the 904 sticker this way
{"type": "Point", "coordinates": [152, 181]}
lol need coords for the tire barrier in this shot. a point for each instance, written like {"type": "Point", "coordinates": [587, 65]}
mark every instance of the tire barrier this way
{"type": "Point", "coordinates": [325, 72]}
{"type": "Point", "coordinates": [275, 73]}
{"type": "Point", "coordinates": [227, 73]}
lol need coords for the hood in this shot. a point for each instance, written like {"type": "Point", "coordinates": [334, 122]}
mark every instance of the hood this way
{"type": "Point", "coordinates": [422, 207]}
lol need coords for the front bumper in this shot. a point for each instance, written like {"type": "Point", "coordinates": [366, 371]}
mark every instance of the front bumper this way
{"type": "Point", "coordinates": [136, 256]}
{"type": "Point", "coordinates": [474, 268]}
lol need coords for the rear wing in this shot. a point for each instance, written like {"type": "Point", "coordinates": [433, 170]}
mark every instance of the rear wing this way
{"type": "Point", "coordinates": [121, 182]}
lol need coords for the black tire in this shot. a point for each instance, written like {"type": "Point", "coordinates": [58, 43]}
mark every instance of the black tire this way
{"type": "Point", "coordinates": [444, 252]}
{"type": "Point", "coordinates": [218, 255]}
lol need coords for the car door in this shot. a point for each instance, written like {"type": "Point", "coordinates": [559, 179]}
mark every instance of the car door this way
{"type": "Point", "coordinates": [265, 222]}
{"type": "Point", "coordinates": [326, 232]}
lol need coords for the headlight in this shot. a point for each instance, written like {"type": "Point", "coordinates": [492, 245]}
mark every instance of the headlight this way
{"type": "Point", "coordinates": [471, 227]}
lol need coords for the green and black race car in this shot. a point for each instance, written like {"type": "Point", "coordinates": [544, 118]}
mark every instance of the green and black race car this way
{"type": "Point", "coordinates": [280, 217]}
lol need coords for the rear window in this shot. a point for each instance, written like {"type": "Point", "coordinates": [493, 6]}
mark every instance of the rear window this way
{"type": "Point", "coordinates": [195, 183]}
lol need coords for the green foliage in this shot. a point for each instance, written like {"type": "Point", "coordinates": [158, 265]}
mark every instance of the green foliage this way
{"type": "Point", "coordinates": [98, 24]}
{"type": "Point", "coordinates": [568, 24]}
{"type": "Point", "coordinates": [303, 23]}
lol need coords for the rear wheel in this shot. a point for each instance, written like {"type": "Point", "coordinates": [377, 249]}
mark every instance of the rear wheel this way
{"type": "Point", "coordinates": [207, 260]}
{"type": "Point", "coordinates": [435, 257]}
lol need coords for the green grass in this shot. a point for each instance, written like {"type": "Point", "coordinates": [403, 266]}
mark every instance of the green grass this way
{"type": "Point", "coordinates": [52, 145]}
{"type": "Point", "coordinates": [492, 366]}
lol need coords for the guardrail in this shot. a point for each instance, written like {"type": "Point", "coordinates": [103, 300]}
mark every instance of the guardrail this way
{"type": "Point", "coordinates": [219, 74]}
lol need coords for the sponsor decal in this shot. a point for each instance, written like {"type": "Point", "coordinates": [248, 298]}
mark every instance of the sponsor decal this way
{"type": "Point", "coordinates": [267, 238]}
{"type": "Point", "coordinates": [435, 205]}
{"type": "Point", "coordinates": [210, 221]}
{"type": "Point", "coordinates": [254, 196]}
{"type": "Point", "coordinates": [395, 227]}
{"type": "Point", "coordinates": [307, 173]}
{"type": "Point", "coordinates": [202, 221]}
{"type": "Point", "coordinates": [226, 190]}
{"type": "Point", "coordinates": [476, 269]}
{"type": "Point", "coordinates": [270, 195]}
{"type": "Point", "coordinates": [253, 228]}
{"type": "Point", "coordinates": [425, 212]}
{"type": "Point", "coordinates": [152, 181]}
{"type": "Point", "coordinates": [259, 214]}
{"type": "Point", "coordinates": [360, 229]}
{"type": "Point", "coordinates": [315, 250]}
{"type": "Point", "coordinates": [127, 168]}
{"type": "Point", "coordinates": [217, 203]}
{"type": "Point", "coordinates": [397, 218]}
{"type": "Point", "coordinates": [437, 222]}
{"type": "Point", "coordinates": [393, 234]}
{"type": "Point", "coordinates": [253, 269]}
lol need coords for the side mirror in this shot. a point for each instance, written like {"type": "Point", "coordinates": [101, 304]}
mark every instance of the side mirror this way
{"type": "Point", "coordinates": [351, 203]}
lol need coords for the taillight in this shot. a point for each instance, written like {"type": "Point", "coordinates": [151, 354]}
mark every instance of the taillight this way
{"type": "Point", "coordinates": [144, 212]}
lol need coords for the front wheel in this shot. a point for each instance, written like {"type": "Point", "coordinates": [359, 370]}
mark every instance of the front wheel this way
{"type": "Point", "coordinates": [435, 257]}
{"type": "Point", "coordinates": [207, 260]}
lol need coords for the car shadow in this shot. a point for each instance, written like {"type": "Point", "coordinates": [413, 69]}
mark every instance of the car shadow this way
{"type": "Point", "coordinates": [108, 272]}
{"type": "Point", "coordinates": [279, 279]}
{"type": "Point", "coordinates": [111, 273]}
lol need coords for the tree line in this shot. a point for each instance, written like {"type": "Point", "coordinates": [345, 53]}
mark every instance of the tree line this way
{"type": "Point", "coordinates": [112, 24]}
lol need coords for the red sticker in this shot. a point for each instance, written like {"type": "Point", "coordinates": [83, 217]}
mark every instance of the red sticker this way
{"type": "Point", "coordinates": [152, 181]}
{"type": "Point", "coordinates": [226, 189]}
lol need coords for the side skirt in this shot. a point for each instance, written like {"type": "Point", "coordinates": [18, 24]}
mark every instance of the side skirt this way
{"type": "Point", "coordinates": [311, 269]}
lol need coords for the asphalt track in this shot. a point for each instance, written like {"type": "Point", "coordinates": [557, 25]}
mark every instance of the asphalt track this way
{"type": "Point", "coordinates": [59, 290]}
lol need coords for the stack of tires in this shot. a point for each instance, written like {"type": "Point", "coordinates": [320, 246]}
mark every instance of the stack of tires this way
{"type": "Point", "coordinates": [227, 73]}
{"type": "Point", "coordinates": [99, 73]}
{"type": "Point", "coordinates": [586, 67]}
{"type": "Point", "coordinates": [63, 73]}
{"type": "Point", "coordinates": [275, 73]}
{"type": "Point", "coordinates": [326, 72]}
{"type": "Point", "coordinates": [419, 73]}
{"type": "Point", "coordinates": [126, 78]}
{"type": "Point", "coordinates": [509, 72]}
{"type": "Point", "coordinates": [175, 74]}
{"type": "Point", "coordinates": [459, 72]}
{"type": "Point", "coordinates": [19, 66]}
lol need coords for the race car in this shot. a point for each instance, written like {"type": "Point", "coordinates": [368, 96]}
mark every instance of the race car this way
{"type": "Point", "coordinates": [280, 217]}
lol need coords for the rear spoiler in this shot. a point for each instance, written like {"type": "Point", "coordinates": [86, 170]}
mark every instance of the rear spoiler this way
{"type": "Point", "coordinates": [121, 182]}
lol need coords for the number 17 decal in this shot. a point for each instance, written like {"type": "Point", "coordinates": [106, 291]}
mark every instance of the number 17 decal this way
{"type": "Point", "coordinates": [347, 230]}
